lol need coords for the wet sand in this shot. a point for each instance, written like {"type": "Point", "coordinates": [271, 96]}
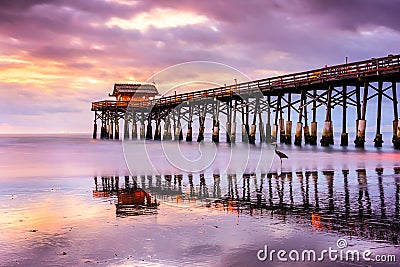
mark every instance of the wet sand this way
{"type": "Point", "coordinates": [53, 214]}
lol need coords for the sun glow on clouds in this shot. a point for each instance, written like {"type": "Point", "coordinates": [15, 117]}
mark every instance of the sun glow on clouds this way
{"type": "Point", "coordinates": [158, 18]}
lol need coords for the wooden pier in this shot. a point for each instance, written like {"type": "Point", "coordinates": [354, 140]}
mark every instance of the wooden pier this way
{"type": "Point", "coordinates": [259, 107]}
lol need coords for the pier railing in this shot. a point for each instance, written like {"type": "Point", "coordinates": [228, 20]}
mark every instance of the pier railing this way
{"type": "Point", "coordinates": [368, 68]}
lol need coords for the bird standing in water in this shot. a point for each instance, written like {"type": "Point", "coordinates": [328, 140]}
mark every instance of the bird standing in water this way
{"type": "Point", "coordinates": [281, 155]}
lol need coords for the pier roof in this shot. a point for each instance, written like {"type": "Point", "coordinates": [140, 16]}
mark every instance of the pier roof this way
{"type": "Point", "coordinates": [136, 89]}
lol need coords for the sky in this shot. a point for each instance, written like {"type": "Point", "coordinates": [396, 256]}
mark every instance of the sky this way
{"type": "Point", "coordinates": [58, 56]}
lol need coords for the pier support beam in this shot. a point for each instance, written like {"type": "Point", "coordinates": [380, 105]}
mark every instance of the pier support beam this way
{"type": "Point", "coordinates": [215, 131]}
{"type": "Point", "coordinates": [200, 137]}
{"type": "Point", "coordinates": [233, 132]}
{"type": "Point", "coordinates": [396, 122]}
{"type": "Point", "coordinates": [95, 127]}
{"type": "Point", "coordinates": [178, 135]}
{"type": "Point", "coordinates": [313, 134]}
{"type": "Point", "coordinates": [299, 124]}
{"type": "Point", "coordinates": [288, 132]}
{"type": "Point", "coordinates": [149, 132]}
{"type": "Point", "coordinates": [344, 138]}
{"type": "Point", "coordinates": [245, 130]}
{"type": "Point", "coordinates": [245, 125]}
{"type": "Point", "coordinates": [360, 138]}
{"type": "Point", "coordinates": [126, 129]}
{"type": "Point", "coordinates": [134, 130]}
{"type": "Point", "coordinates": [268, 125]}
{"type": "Point", "coordinates": [233, 126]}
{"type": "Point", "coordinates": [252, 134]}
{"type": "Point", "coordinates": [103, 128]}
{"type": "Point", "coordinates": [306, 128]}
{"type": "Point", "coordinates": [261, 127]}
{"type": "Point", "coordinates": [111, 130]}
{"type": "Point", "coordinates": [378, 137]}
{"type": "Point", "coordinates": [228, 121]}
{"type": "Point", "coordinates": [167, 129]}
{"type": "Point", "coordinates": [327, 130]}
{"type": "Point", "coordinates": [189, 134]}
{"type": "Point", "coordinates": [298, 134]}
{"type": "Point", "coordinates": [157, 132]}
{"type": "Point", "coordinates": [274, 137]}
{"type": "Point", "coordinates": [282, 134]}
{"type": "Point", "coordinates": [142, 133]}
{"type": "Point", "coordinates": [116, 137]}
{"type": "Point", "coordinates": [228, 132]}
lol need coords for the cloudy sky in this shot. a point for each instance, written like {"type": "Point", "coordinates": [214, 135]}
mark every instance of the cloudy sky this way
{"type": "Point", "coordinates": [57, 56]}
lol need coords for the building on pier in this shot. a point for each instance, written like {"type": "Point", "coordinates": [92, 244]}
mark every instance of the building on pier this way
{"type": "Point", "coordinates": [134, 92]}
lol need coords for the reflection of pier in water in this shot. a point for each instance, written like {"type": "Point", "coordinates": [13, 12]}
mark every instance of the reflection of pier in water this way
{"type": "Point", "coordinates": [131, 200]}
{"type": "Point", "coordinates": [366, 206]}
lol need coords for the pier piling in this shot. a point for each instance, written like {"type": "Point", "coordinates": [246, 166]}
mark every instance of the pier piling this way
{"type": "Point", "coordinates": [313, 134]}
{"type": "Point", "coordinates": [378, 138]}
{"type": "Point", "coordinates": [396, 122]}
{"type": "Point", "coordinates": [95, 130]}
{"type": "Point", "coordinates": [288, 128]}
{"type": "Point", "coordinates": [126, 129]}
{"type": "Point", "coordinates": [360, 138]}
{"type": "Point", "coordinates": [344, 138]}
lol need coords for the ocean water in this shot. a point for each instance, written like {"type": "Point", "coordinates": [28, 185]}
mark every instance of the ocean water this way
{"type": "Point", "coordinates": [74, 201]}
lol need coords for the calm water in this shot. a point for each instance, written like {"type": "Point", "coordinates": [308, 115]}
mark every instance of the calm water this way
{"type": "Point", "coordinates": [71, 201]}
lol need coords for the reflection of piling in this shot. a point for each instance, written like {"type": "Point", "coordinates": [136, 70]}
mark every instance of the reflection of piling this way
{"type": "Point", "coordinates": [397, 197]}
{"type": "Point", "coordinates": [346, 193]}
{"type": "Point", "coordinates": [363, 193]}
{"type": "Point", "coordinates": [302, 189]}
{"type": "Point", "coordinates": [314, 175]}
{"type": "Point", "coordinates": [329, 178]}
{"type": "Point", "coordinates": [379, 172]}
{"type": "Point", "coordinates": [270, 198]}
{"type": "Point", "coordinates": [289, 177]}
{"type": "Point", "coordinates": [217, 186]}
